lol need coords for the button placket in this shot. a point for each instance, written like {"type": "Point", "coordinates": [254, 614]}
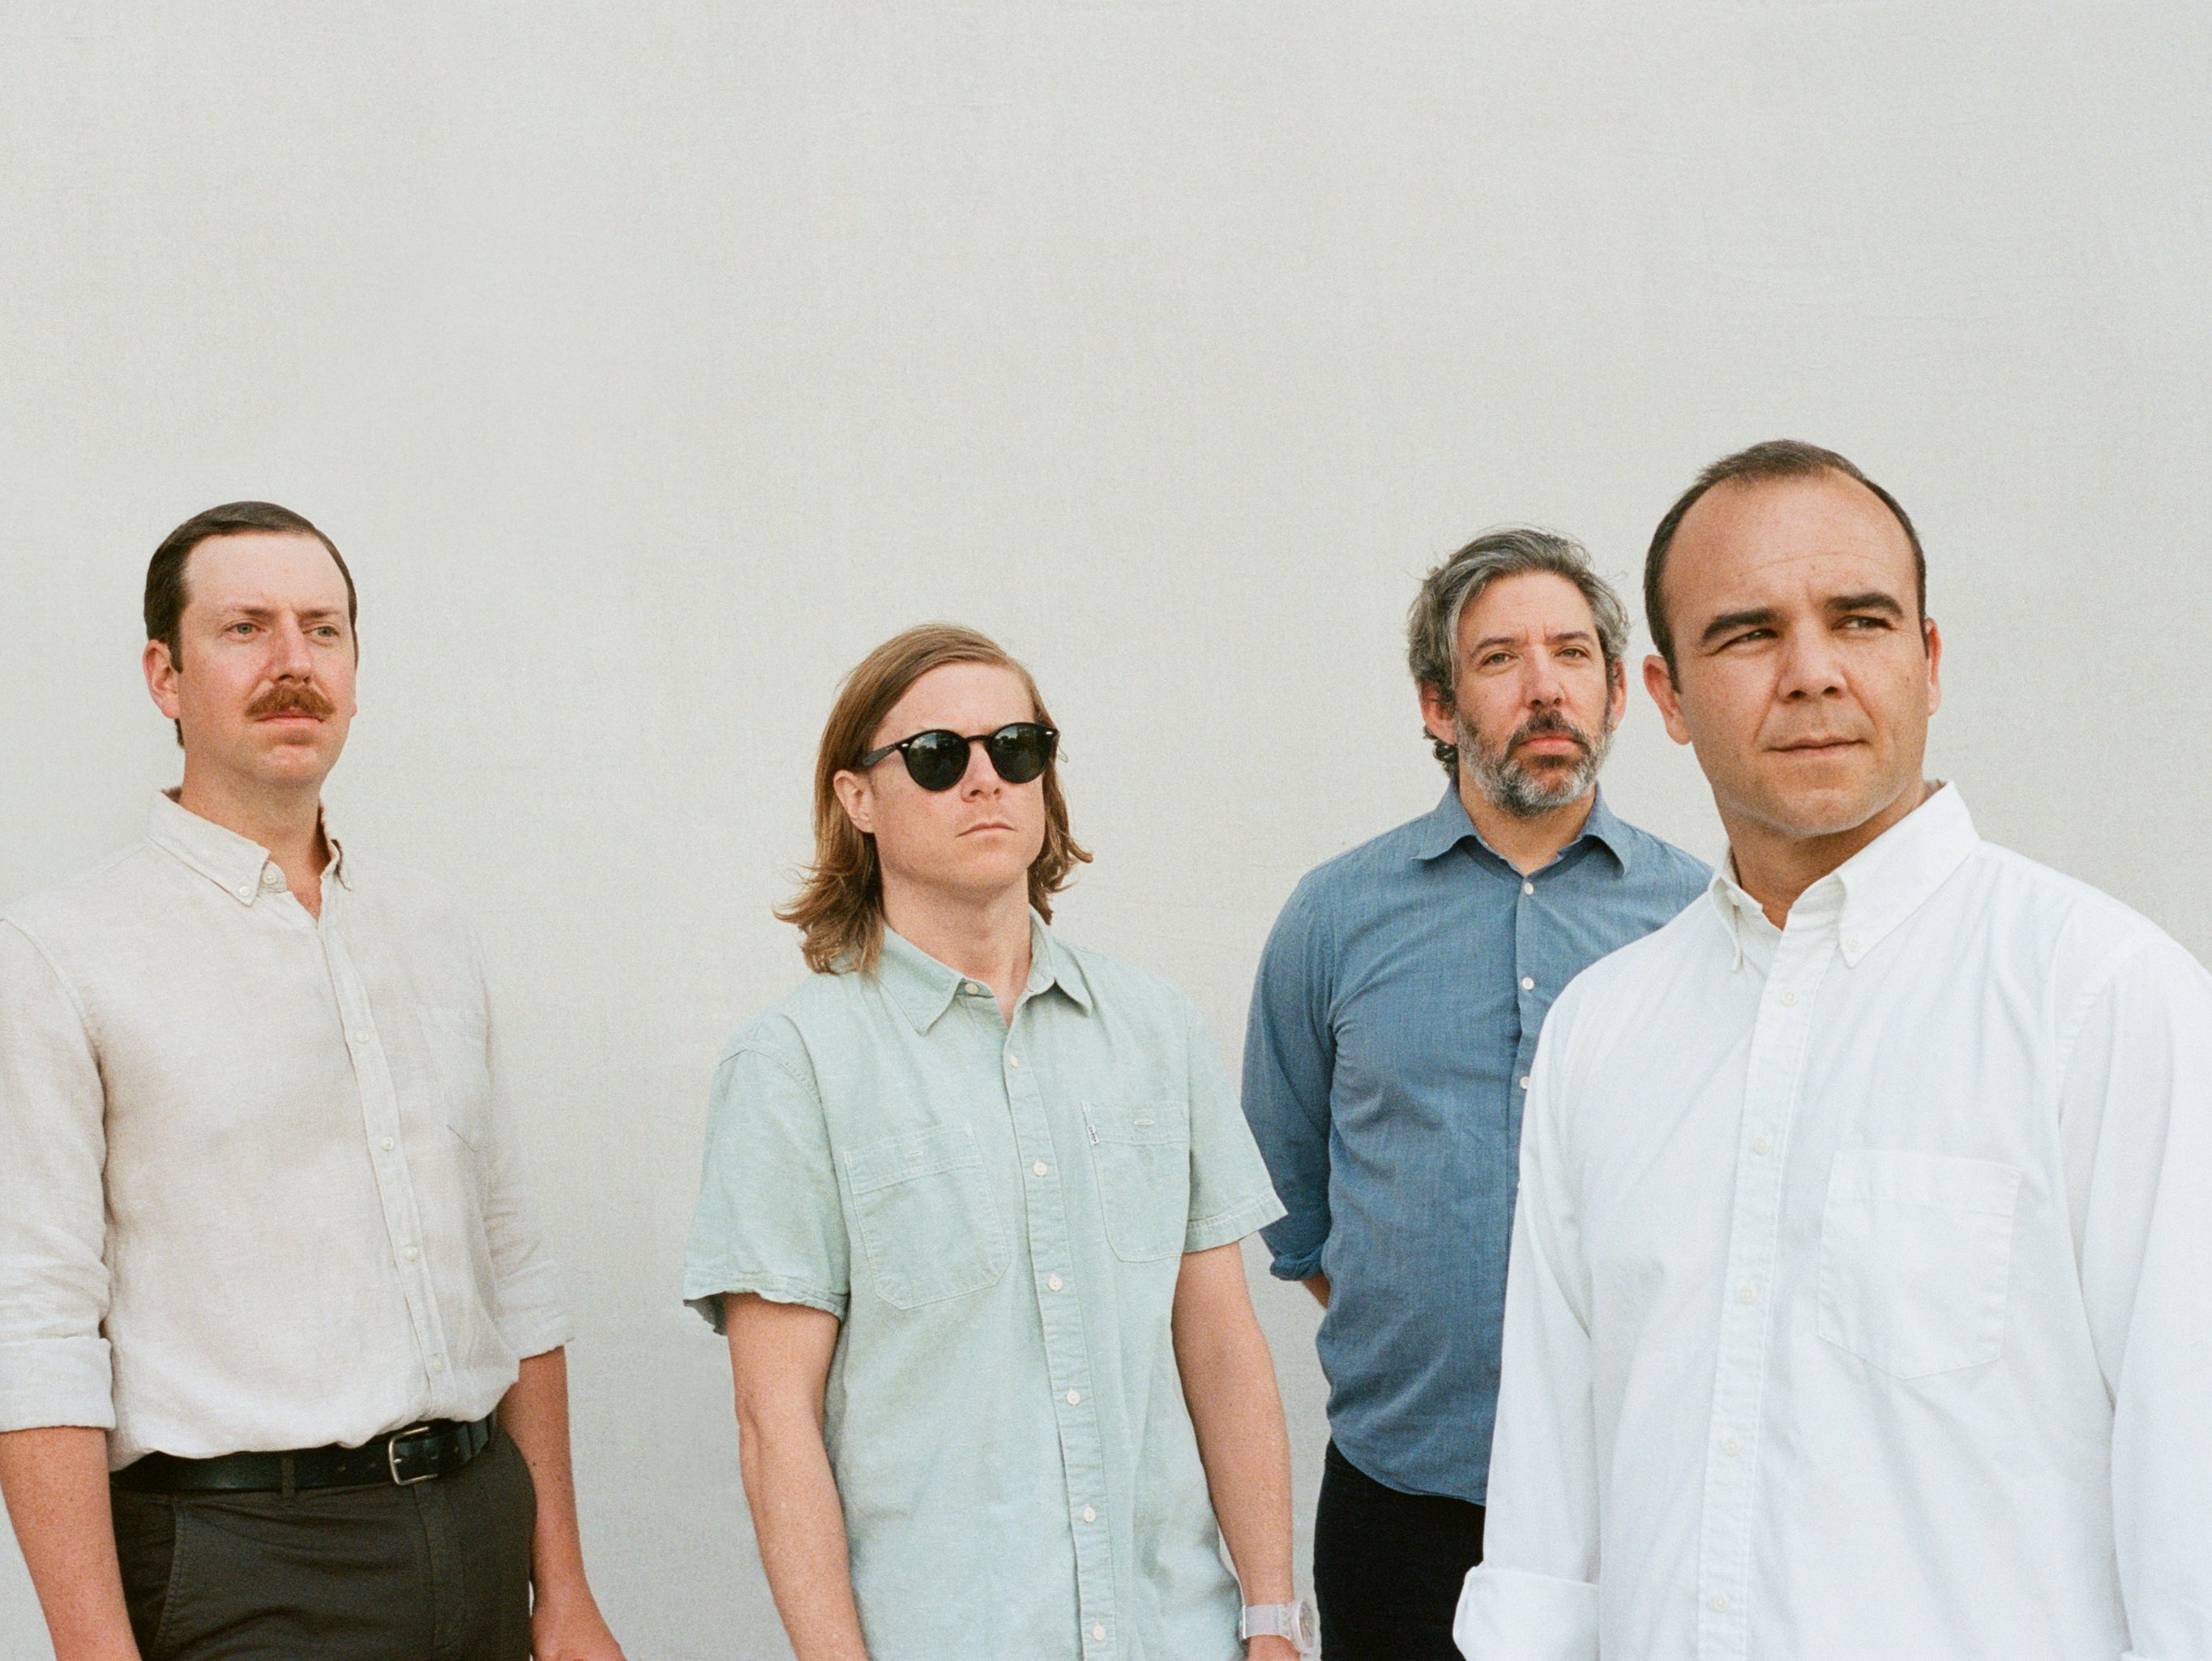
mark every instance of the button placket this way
{"type": "Point", "coordinates": [1780, 1038]}
{"type": "Point", "coordinates": [1052, 1263]}
{"type": "Point", "coordinates": [379, 1109]}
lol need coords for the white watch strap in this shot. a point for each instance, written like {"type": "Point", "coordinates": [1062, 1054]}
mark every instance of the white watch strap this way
{"type": "Point", "coordinates": [1295, 1621]}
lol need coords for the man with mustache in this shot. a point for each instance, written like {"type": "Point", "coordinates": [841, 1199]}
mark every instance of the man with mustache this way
{"type": "Point", "coordinates": [1392, 1030]}
{"type": "Point", "coordinates": [281, 1363]}
{"type": "Point", "coordinates": [1858, 1294]}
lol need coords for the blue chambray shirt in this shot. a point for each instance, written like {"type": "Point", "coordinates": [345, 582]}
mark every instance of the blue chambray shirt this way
{"type": "Point", "coordinates": [997, 1213]}
{"type": "Point", "coordinates": [1393, 1026]}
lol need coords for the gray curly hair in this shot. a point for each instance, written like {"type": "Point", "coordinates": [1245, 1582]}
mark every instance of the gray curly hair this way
{"type": "Point", "coordinates": [1432, 625]}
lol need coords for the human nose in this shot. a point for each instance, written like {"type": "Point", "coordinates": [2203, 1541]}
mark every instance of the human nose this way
{"type": "Point", "coordinates": [1544, 687]}
{"type": "Point", "coordinates": [289, 656]}
{"type": "Point", "coordinates": [1810, 666]}
{"type": "Point", "coordinates": [983, 777]}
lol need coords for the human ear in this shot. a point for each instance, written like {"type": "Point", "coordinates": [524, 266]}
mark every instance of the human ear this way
{"type": "Point", "coordinates": [1437, 714]}
{"type": "Point", "coordinates": [858, 799]}
{"type": "Point", "coordinates": [161, 676]}
{"type": "Point", "coordinates": [1935, 638]}
{"type": "Point", "coordinates": [1659, 681]}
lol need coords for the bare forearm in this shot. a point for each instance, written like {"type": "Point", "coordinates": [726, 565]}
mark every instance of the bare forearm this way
{"type": "Point", "coordinates": [1237, 1415]}
{"type": "Point", "coordinates": [801, 1526]}
{"type": "Point", "coordinates": [55, 1483]}
{"type": "Point", "coordinates": [1318, 1285]}
{"type": "Point", "coordinates": [565, 1617]}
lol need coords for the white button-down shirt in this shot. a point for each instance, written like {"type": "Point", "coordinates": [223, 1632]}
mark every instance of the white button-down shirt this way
{"type": "Point", "coordinates": [254, 1193]}
{"type": "Point", "coordinates": [1861, 1295]}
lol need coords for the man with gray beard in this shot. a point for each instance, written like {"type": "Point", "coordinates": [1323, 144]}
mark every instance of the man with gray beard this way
{"type": "Point", "coordinates": [1393, 1026]}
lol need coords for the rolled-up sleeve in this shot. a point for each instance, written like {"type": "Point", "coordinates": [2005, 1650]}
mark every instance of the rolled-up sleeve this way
{"type": "Point", "coordinates": [54, 1365]}
{"type": "Point", "coordinates": [1289, 1056]}
{"type": "Point", "coordinates": [529, 1305]}
{"type": "Point", "coordinates": [1230, 1194]}
{"type": "Point", "coordinates": [770, 1219]}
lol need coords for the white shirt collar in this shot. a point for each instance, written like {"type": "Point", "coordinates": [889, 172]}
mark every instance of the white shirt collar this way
{"type": "Point", "coordinates": [233, 862]}
{"type": "Point", "coordinates": [1869, 894]}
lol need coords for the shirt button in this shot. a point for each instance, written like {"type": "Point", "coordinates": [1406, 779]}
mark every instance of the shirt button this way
{"type": "Point", "coordinates": [1040, 1167]}
{"type": "Point", "coordinates": [1763, 1147]}
{"type": "Point", "coordinates": [1051, 1282]}
{"type": "Point", "coordinates": [1789, 996]}
{"type": "Point", "coordinates": [1527, 887]}
{"type": "Point", "coordinates": [246, 890]}
{"type": "Point", "coordinates": [272, 878]}
{"type": "Point", "coordinates": [360, 1037]}
{"type": "Point", "coordinates": [1075, 1398]}
{"type": "Point", "coordinates": [413, 1252]}
{"type": "Point", "coordinates": [437, 1365]}
{"type": "Point", "coordinates": [1731, 1447]}
{"type": "Point", "coordinates": [1013, 1060]}
{"type": "Point", "coordinates": [1089, 1515]}
{"type": "Point", "coordinates": [1524, 1081]}
{"type": "Point", "coordinates": [1851, 944]}
{"type": "Point", "coordinates": [1099, 1632]}
{"type": "Point", "coordinates": [1746, 1293]}
{"type": "Point", "coordinates": [971, 989]}
{"type": "Point", "coordinates": [386, 1144]}
{"type": "Point", "coordinates": [1527, 984]}
{"type": "Point", "coordinates": [1720, 1602]}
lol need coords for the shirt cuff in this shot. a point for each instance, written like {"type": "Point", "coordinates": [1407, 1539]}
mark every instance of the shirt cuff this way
{"type": "Point", "coordinates": [44, 1382]}
{"type": "Point", "coordinates": [703, 1291]}
{"type": "Point", "coordinates": [1508, 1615]}
{"type": "Point", "coordinates": [531, 1311]}
{"type": "Point", "coordinates": [1222, 1226]}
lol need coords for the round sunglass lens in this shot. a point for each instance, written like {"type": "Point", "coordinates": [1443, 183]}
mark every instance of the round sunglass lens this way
{"type": "Point", "coordinates": [1019, 753]}
{"type": "Point", "coordinates": [937, 759]}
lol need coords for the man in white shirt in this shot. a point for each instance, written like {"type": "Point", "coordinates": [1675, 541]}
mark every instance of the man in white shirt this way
{"type": "Point", "coordinates": [263, 1246]}
{"type": "Point", "coordinates": [1858, 1301]}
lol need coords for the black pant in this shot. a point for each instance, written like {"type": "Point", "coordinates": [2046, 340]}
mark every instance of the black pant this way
{"type": "Point", "coordinates": [1387, 1567]}
{"type": "Point", "coordinates": [436, 1571]}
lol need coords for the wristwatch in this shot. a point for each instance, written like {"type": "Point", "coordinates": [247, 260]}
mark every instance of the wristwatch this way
{"type": "Point", "coordinates": [1300, 1623]}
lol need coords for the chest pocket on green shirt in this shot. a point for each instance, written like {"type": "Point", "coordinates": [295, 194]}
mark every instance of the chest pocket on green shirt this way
{"type": "Point", "coordinates": [926, 1214]}
{"type": "Point", "coordinates": [1142, 1156]}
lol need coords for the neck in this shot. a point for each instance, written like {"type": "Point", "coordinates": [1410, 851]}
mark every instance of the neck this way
{"type": "Point", "coordinates": [287, 822]}
{"type": "Point", "coordinates": [984, 937]}
{"type": "Point", "coordinates": [1775, 867]}
{"type": "Point", "coordinates": [1527, 844]}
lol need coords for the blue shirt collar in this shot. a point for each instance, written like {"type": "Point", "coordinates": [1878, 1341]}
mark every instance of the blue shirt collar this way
{"type": "Point", "coordinates": [924, 989]}
{"type": "Point", "coordinates": [1448, 825]}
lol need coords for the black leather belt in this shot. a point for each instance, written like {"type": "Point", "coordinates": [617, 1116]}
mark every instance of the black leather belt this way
{"type": "Point", "coordinates": [437, 1447]}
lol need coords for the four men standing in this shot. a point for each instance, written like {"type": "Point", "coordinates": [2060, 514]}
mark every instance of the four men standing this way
{"type": "Point", "coordinates": [1856, 1301]}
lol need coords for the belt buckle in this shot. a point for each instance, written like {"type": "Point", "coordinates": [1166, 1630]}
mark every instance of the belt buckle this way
{"type": "Point", "coordinates": [392, 1457]}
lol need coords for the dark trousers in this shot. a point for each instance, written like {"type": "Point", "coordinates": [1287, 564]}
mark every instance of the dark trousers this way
{"type": "Point", "coordinates": [437, 1571]}
{"type": "Point", "coordinates": [1387, 1567]}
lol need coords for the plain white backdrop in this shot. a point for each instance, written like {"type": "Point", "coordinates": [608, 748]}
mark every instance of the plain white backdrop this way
{"type": "Point", "coordinates": [652, 363]}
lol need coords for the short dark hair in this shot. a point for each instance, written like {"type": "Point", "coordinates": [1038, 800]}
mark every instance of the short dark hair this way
{"type": "Point", "coordinates": [167, 594]}
{"type": "Point", "coordinates": [1778, 458]}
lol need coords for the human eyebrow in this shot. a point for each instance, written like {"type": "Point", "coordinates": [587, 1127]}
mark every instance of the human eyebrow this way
{"type": "Point", "coordinates": [1763, 616]}
{"type": "Point", "coordinates": [1872, 600]}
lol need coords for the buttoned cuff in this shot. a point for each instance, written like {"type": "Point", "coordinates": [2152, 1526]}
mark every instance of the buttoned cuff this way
{"type": "Point", "coordinates": [1507, 1614]}
{"type": "Point", "coordinates": [531, 1311]}
{"type": "Point", "coordinates": [44, 1382]}
{"type": "Point", "coordinates": [1255, 1214]}
{"type": "Point", "coordinates": [704, 1292]}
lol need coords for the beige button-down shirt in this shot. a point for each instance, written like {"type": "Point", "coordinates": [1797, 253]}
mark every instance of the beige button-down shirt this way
{"type": "Point", "coordinates": [255, 1190]}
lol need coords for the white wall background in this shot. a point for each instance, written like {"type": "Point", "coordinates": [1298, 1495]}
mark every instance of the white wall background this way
{"type": "Point", "coordinates": [651, 362]}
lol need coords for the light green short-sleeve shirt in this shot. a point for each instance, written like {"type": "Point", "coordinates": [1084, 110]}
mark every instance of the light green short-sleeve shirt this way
{"type": "Point", "coordinates": [997, 1214]}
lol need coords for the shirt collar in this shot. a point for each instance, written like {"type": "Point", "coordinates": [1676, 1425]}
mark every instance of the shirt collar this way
{"type": "Point", "coordinates": [924, 989]}
{"type": "Point", "coordinates": [234, 863]}
{"type": "Point", "coordinates": [1448, 825]}
{"type": "Point", "coordinates": [1877, 889]}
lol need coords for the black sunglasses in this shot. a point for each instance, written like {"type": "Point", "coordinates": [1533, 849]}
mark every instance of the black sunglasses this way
{"type": "Point", "coordinates": [938, 759]}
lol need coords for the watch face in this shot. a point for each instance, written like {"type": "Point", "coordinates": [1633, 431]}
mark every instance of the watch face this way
{"type": "Point", "coordinates": [1306, 1621]}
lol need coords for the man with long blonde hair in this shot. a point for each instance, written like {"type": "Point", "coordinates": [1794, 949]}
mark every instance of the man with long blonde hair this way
{"type": "Point", "coordinates": [970, 1222]}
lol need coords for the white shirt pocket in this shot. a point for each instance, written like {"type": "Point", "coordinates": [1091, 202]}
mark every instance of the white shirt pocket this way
{"type": "Point", "coordinates": [1916, 1259]}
